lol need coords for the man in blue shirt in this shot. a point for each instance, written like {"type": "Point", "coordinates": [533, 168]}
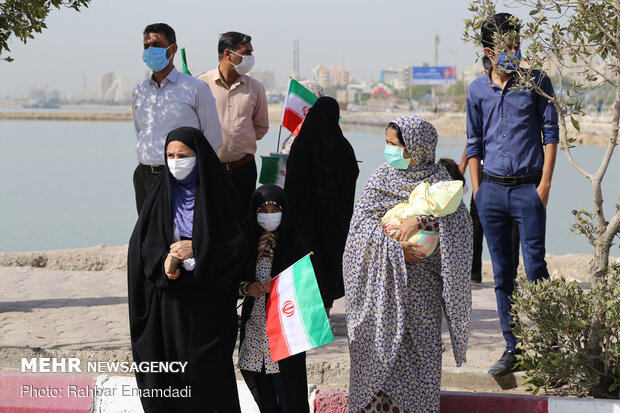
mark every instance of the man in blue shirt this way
{"type": "Point", "coordinates": [515, 132]}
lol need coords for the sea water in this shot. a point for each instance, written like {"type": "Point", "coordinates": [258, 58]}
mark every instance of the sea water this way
{"type": "Point", "coordinates": [69, 184]}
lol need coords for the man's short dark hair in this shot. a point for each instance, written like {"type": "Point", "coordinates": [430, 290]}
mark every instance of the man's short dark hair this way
{"type": "Point", "coordinates": [161, 28]}
{"type": "Point", "coordinates": [231, 41]}
{"type": "Point", "coordinates": [500, 23]}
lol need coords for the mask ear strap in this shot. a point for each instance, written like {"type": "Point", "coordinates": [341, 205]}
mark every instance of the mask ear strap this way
{"type": "Point", "coordinates": [169, 48]}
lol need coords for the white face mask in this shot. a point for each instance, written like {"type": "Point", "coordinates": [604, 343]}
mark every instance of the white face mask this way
{"type": "Point", "coordinates": [181, 168]}
{"type": "Point", "coordinates": [269, 221]}
{"type": "Point", "coordinates": [247, 63]}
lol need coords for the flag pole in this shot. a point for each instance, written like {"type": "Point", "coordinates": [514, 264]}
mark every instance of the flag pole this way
{"type": "Point", "coordinates": [288, 88]}
{"type": "Point", "coordinates": [279, 133]}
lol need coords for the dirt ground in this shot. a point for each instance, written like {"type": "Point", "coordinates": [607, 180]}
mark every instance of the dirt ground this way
{"type": "Point", "coordinates": [104, 258]}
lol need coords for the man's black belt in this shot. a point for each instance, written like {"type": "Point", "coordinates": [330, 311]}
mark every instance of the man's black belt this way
{"type": "Point", "coordinates": [231, 166]}
{"type": "Point", "coordinates": [154, 169]}
{"type": "Point", "coordinates": [512, 180]}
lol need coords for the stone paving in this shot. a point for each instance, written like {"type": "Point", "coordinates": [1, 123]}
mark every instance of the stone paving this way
{"type": "Point", "coordinates": [74, 312]}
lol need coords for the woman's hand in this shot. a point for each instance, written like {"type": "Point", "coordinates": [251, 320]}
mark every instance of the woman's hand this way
{"type": "Point", "coordinates": [256, 289]}
{"type": "Point", "coordinates": [411, 255]}
{"type": "Point", "coordinates": [176, 273]}
{"type": "Point", "coordinates": [182, 249]}
{"type": "Point", "coordinates": [267, 286]}
{"type": "Point", "coordinates": [406, 228]}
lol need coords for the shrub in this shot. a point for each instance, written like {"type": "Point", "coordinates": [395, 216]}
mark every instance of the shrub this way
{"type": "Point", "coordinates": [552, 320]}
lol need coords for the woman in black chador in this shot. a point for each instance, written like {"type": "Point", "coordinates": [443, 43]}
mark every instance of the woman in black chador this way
{"type": "Point", "coordinates": [275, 245]}
{"type": "Point", "coordinates": [320, 184]}
{"type": "Point", "coordinates": [187, 314]}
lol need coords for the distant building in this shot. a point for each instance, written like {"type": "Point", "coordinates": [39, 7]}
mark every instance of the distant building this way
{"type": "Point", "coordinates": [114, 88]}
{"type": "Point", "coordinates": [472, 72]}
{"type": "Point", "coordinates": [397, 77]}
{"type": "Point", "coordinates": [266, 77]}
{"type": "Point", "coordinates": [119, 90]}
{"type": "Point", "coordinates": [53, 95]}
{"type": "Point", "coordinates": [39, 95]}
{"type": "Point", "coordinates": [342, 96]}
{"type": "Point", "coordinates": [577, 70]}
{"type": "Point", "coordinates": [295, 73]}
{"type": "Point", "coordinates": [105, 82]}
{"type": "Point", "coordinates": [358, 92]}
{"type": "Point", "coordinates": [332, 76]}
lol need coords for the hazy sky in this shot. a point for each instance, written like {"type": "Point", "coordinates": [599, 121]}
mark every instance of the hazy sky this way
{"type": "Point", "coordinates": [365, 36]}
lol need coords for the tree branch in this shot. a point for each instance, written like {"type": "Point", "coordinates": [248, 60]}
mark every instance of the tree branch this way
{"type": "Point", "coordinates": [613, 227]}
{"type": "Point", "coordinates": [611, 146]}
{"type": "Point", "coordinates": [599, 73]}
{"type": "Point", "coordinates": [594, 19]}
{"type": "Point", "coordinates": [563, 130]}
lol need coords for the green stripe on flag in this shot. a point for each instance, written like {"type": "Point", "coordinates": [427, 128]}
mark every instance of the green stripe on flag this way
{"type": "Point", "coordinates": [269, 171]}
{"type": "Point", "coordinates": [272, 165]}
{"type": "Point", "coordinates": [302, 92]}
{"type": "Point", "coordinates": [310, 302]}
{"type": "Point", "coordinates": [184, 61]}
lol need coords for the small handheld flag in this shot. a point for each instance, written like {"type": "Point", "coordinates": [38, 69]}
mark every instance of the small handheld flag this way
{"type": "Point", "coordinates": [273, 169]}
{"type": "Point", "coordinates": [296, 318]}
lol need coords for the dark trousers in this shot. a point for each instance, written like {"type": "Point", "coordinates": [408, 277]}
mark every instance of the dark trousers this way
{"type": "Point", "coordinates": [498, 206]}
{"type": "Point", "coordinates": [273, 396]}
{"type": "Point", "coordinates": [244, 179]}
{"type": "Point", "coordinates": [476, 263]}
{"type": "Point", "coordinates": [143, 179]}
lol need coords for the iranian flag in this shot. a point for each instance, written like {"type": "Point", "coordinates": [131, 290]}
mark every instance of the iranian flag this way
{"type": "Point", "coordinates": [298, 102]}
{"type": "Point", "coordinates": [296, 318]}
{"type": "Point", "coordinates": [273, 169]}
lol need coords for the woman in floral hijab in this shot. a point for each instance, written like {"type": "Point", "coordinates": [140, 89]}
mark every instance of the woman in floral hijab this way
{"type": "Point", "coordinates": [394, 300]}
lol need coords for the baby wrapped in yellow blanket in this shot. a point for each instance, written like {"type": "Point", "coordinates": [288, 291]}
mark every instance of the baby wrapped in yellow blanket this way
{"type": "Point", "coordinates": [438, 200]}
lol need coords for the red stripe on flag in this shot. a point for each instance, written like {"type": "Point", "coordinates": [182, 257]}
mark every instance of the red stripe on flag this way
{"type": "Point", "coordinates": [277, 340]}
{"type": "Point", "coordinates": [291, 119]}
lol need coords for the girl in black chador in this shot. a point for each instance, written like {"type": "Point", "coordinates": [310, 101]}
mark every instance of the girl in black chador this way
{"type": "Point", "coordinates": [275, 244]}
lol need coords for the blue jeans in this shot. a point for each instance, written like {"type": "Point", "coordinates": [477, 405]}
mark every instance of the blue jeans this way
{"type": "Point", "coordinates": [499, 205]}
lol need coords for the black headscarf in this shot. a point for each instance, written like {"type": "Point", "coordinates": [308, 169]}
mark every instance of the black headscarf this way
{"type": "Point", "coordinates": [321, 172]}
{"type": "Point", "coordinates": [192, 318]}
{"type": "Point", "coordinates": [290, 247]}
{"type": "Point", "coordinates": [218, 235]}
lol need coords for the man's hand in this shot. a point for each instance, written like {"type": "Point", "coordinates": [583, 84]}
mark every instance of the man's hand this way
{"type": "Point", "coordinates": [543, 193]}
{"type": "Point", "coordinates": [174, 275]}
{"type": "Point", "coordinates": [463, 163]}
{"type": "Point", "coordinates": [406, 228]}
{"type": "Point", "coordinates": [474, 174]}
{"type": "Point", "coordinates": [182, 249]}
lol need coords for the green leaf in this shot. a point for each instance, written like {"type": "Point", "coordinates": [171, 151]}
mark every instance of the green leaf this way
{"type": "Point", "coordinates": [575, 124]}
